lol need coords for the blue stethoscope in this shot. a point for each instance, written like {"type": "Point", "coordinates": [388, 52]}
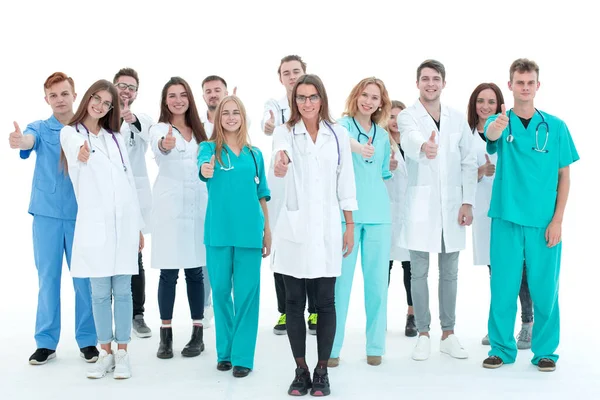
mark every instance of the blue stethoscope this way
{"type": "Point", "coordinates": [537, 148]}
{"type": "Point", "coordinates": [337, 142]}
{"type": "Point", "coordinates": [360, 133]}
{"type": "Point", "coordinates": [230, 167]}
{"type": "Point", "coordinates": [94, 150]}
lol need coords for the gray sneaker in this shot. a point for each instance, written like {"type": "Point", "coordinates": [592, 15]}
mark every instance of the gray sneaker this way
{"type": "Point", "coordinates": [140, 328]}
{"type": "Point", "coordinates": [486, 340]}
{"type": "Point", "coordinates": [524, 337]}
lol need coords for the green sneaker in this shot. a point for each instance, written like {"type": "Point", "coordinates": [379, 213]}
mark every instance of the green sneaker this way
{"type": "Point", "coordinates": [312, 323]}
{"type": "Point", "coordinates": [279, 328]}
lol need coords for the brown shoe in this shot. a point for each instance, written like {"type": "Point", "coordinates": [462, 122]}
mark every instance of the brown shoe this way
{"type": "Point", "coordinates": [493, 362]}
{"type": "Point", "coordinates": [374, 360]}
{"type": "Point", "coordinates": [546, 365]}
{"type": "Point", "coordinates": [333, 362]}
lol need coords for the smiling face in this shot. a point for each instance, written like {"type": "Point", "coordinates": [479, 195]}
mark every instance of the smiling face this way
{"type": "Point", "coordinates": [289, 73]}
{"type": "Point", "coordinates": [100, 104]}
{"type": "Point", "coordinates": [310, 108]}
{"type": "Point", "coordinates": [393, 121]}
{"type": "Point", "coordinates": [60, 97]}
{"type": "Point", "coordinates": [231, 118]}
{"type": "Point", "coordinates": [486, 104]}
{"type": "Point", "coordinates": [430, 85]}
{"type": "Point", "coordinates": [126, 92]}
{"type": "Point", "coordinates": [177, 100]}
{"type": "Point", "coordinates": [213, 92]}
{"type": "Point", "coordinates": [369, 100]}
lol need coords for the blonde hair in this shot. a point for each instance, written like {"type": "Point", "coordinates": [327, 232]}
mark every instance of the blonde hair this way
{"type": "Point", "coordinates": [218, 134]}
{"type": "Point", "coordinates": [382, 113]}
{"type": "Point", "coordinates": [401, 106]}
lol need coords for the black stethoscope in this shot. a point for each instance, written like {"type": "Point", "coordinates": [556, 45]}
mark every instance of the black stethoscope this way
{"type": "Point", "coordinates": [337, 142]}
{"type": "Point", "coordinates": [256, 179]}
{"type": "Point", "coordinates": [360, 133]}
{"type": "Point", "coordinates": [510, 138]}
{"type": "Point", "coordinates": [94, 150]}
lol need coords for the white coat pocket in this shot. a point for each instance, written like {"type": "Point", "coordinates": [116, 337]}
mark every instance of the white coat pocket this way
{"type": "Point", "coordinates": [291, 226]}
{"type": "Point", "coordinates": [90, 228]}
{"type": "Point", "coordinates": [418, 198]}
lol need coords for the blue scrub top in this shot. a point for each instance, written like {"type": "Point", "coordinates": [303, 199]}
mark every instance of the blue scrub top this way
{"type": "Point", "coordinates": [526, 182]}
{"type": "Point", "coordinates": [371, 192]}
{"type": "Point", "coordinates": [51, 191]}
{"type": "Point", "coordinates": [234, 216]}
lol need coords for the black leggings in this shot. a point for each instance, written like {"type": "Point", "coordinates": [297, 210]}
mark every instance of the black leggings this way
{"type": "Point", "coordinates": [281, 297]}
{"type": "Point", "coordinates": [325, 306]}
{"type": "Point", "coordinates": [406, 268]}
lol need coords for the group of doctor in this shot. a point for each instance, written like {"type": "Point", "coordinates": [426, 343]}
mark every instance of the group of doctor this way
{"type": "Point", "coordinates": [335, 187]}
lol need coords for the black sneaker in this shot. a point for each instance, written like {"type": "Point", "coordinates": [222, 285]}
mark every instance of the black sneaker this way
{"type": "Point", "coordinates": [89, 354]}
{"type": "Point", "coordinates": [493, 362]}
{"type": "Point", "coordinates": [320, 383]}
{"type": "Point", "coordinates": [42, 356]}
{"type": "Point", "coordinates": [410, 329]}
{"type": "Point", "coordinates": [312, 323]}
{"type": "Point", "coordinates": [301, 383]}
{"type": "Point", "coordinates": [546, 365]}
{"type": "Point", "coordinates": [280, 328]}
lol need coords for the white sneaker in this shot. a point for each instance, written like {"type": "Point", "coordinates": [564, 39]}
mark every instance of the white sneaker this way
{"type": "Point", "coordinates": [452, 347]}
{"type": "Point", "coordinates": [104, 364]}
{"type": "Point", "coordinates": [209, 314]}
{"type": "Point", "coordinates": [122, 367]}
{"type": "Point", "coordinates": [422, 350]}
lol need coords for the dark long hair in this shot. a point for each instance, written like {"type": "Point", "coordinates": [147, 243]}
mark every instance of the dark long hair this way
{"type": "Point", "coordinates": [314, 80]}
{"type": "Point", "coordinates": [472, 117]}
{"type": "Point", "coordinates": [110, 121]}
{"type": "Point", "coordinates": [192, 118]}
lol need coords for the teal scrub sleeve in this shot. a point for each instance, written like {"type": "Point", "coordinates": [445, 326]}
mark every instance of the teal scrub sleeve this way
{"type": "Point", "coordinates": [262, 189]}
{"type": "Point", "coordinates": [207, 149]}
{"type": "Point", "coordinates": [567, 151]}
{"type": "Point", "coordinates": [345, 122]}
{"type": "Point", "coordinates": [385, 168]}
{"type": "Point", "coordinates": [32, 129]}
{"type": "Point", "coordinates": [491, 146]}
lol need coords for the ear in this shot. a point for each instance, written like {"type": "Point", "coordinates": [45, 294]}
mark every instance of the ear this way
{"type": "Point", "coordinates": [226, 92]}
{"type": "Point", "coordinates": [46, 98]}
{"type": "Point", "coordinates": [443, 84]}
{"type": "Point", "coordinates": [538, 85]}
{"type": "Point", "coordinates": [74, 97]}
{"type": "Point", "coordinates": [510, 86]}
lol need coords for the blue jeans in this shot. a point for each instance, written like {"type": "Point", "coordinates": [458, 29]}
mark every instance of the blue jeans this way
{"type": "Point", "coordinates": [103, 290]}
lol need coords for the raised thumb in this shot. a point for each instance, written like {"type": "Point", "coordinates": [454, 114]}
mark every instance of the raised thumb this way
{"type": "Point", "coordinates": [85, 145]}
{"type": "Point", "coordinates": [212, 160]}
{"type": "Point", "coordinates": [487, 159]}
{"type": "Point", "coordinates": [370, 141]}
{"type": "Point", "coordinates": [271, 113]}
{"type": "Point", "coordinates": [17, 129]}
{"type": "Point", "coordinates": [170, 133]}
{"type": "Point", "coordinates": [432, 137]}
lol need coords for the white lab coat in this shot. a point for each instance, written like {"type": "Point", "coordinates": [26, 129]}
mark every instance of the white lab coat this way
{"type": "Point", "coordinates": [208, 126]}
{"type": "Point", "coordinates": [396, 187]}
{"type": "Point", "coordinates": [281, 112]}
{"type": "Point", "coordinates": [307, 239]}
{"type": "Point", "coordinates": [137, 156]}
{"type": "Point", "coordinates": [436, 188]}
{"type": "Point", "coordinates": [179, 204]}
{"type": "Point", "coordinates": [482, 224]}
{"type": "Point", "coordinates": [107, 229]}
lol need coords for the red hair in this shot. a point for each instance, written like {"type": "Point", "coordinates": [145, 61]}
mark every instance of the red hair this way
{"type": "Point", "coordinates": [58, 77]}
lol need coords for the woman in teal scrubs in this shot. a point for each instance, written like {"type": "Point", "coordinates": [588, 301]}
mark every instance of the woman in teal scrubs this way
{"type": "Point", "coordinates": [236, 233]}
{"type": "Point", "coordinates": [367, 106]}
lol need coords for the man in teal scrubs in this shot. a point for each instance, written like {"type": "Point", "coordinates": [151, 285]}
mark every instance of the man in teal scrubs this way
{"type": "Point", "coordinates": [529, 197]}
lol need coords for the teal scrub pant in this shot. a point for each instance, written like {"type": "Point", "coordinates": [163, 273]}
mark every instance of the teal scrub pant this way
{"type": "Point", "coordinates": [511, 244]}
{"type": "Point", "coordinates": [236, 320]}
{"type": "Point", "coordinates": [374, 241]}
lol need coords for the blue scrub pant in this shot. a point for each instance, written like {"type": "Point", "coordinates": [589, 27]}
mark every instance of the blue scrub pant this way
{"type": "Point", "coordinates": [52, 237]}
{"type": "Point", "coordinates": [236, 320]}
{"type": "Point", "coordinates": [374, 241]}
{"type": "Point", "coordinates": [511, 245]}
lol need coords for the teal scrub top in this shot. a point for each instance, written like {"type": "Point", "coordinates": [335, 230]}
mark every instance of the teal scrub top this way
{"type": "Point", "coordinates": [52, 192]}
{"type": "Point", "coordinates": [526, 182]}
{"type": "Point", "coordinates": [371, 192]}
{"type": "Point", "coordinates": [234, 216]}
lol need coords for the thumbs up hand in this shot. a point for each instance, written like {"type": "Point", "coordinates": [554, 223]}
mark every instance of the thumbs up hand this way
{"type": "Point", "coordinates": [393, 162]}
{"type": "Point", "coordinates": [84, 153]}
{"type": "Point", "coordinates": [501, 122]}
{"type": "Point", "coordinates": [367, 150]}
{"type": "Point", "coordinates": [15, 138]}
{"type": "Point", "coordinates": [490, 169]}
{"type": "Point", "coordinates": [168, 142]}
{"type": "Point", "coordinates": [126, 113]}
{"type": "Point", "coordinates": [208, 169]}
{"type": "Point", "coordinates": [430, 147]}
{"type": "Point", "coordinates": [281, 164]}
{"type": "Point", "coordinates": [270, 123]}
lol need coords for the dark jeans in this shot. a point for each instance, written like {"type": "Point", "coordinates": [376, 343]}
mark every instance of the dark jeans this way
{"type": "Point", "coordinates": [325, 307]}
{"type": "Point", "coordinates": [195, 292]}
{"type": "Point", "coordinates": [138, 288]}
{"type": "Point", "coordinates": [406, 268]}
{"type": "Point", "coordinates": [281, 299]}
{"type": "Point", "coordinates": [524, 298]}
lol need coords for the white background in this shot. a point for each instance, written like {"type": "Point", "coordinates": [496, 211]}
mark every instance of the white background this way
{"type": "Point", "coordinates": [342, 42]}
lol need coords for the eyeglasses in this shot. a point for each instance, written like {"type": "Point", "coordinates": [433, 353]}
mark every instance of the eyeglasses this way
{"type": "Point", "coordinates": [124, 86]}
{"type": "Point", "coordinates": [97, 100]}
{"type": "Point", "coordinates": [313, 99]}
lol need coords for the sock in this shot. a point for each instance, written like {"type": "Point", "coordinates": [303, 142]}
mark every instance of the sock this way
{"type": "Point", "coordinates": [197, 322]}
{"type": "Point", "coordinates": [165, 325]}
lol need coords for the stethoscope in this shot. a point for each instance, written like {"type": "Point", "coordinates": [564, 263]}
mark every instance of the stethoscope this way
{"type": "Point", "coordinates": [510, 138]}
{"type": "Point", "coordinates": [337, 142]}
{"type": "Point", "coordinates": [94, 150]}
{"type": "Point", "coordinates": [230, 167]}
{"type": "Point", "coordinates": [360, 133]}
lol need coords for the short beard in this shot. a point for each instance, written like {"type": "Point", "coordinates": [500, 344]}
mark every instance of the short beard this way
{"type": "Point", "coordinates": [212, 108]}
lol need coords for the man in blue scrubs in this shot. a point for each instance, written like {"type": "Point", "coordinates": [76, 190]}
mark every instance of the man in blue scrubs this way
{"type": "Point", "coordinates": [54, 209]}
{"type": "Point", "coordinates": [529, 197]}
